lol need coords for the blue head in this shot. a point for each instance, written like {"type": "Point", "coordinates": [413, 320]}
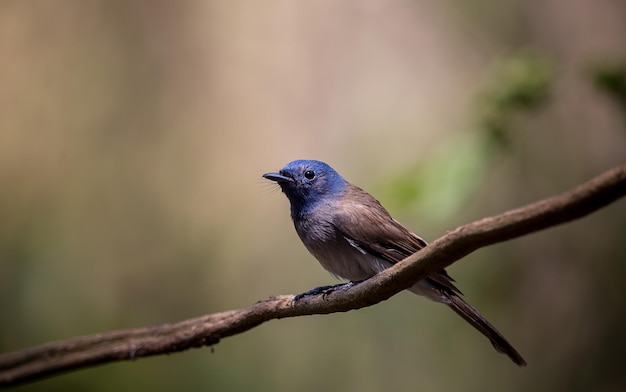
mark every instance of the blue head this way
{"type": "Point", "coordinates": [308, 183]}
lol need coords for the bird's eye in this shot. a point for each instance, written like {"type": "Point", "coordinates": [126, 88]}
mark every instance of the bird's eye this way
{"type": "Point", "coordinates": [309, 174]}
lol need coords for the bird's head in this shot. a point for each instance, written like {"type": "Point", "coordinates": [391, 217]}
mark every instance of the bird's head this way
{"type": "Point", "coordinates": [307, 183]}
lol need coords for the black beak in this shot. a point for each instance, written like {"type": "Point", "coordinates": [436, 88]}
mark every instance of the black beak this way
{"type": "Point", "coordinates": [279, 178]}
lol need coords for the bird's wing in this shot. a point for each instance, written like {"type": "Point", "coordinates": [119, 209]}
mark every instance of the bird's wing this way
{"type": "Point", "coordinates": [368, 227]}
{"type": "Point", "coordinates": [372, 230]}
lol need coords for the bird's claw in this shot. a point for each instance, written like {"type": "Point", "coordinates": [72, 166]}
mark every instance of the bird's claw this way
{"type": "Point", "coordinates": [325, 290]}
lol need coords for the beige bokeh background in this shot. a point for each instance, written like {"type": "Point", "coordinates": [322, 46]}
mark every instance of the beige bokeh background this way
{"type": "Point", "coordinates": [133, 135]}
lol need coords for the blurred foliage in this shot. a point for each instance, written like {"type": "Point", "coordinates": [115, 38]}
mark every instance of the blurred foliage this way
{"type": "Point", "coordinates": [517, 85]}
{"type": "Point", "coordinates": [454, 172]}
{"type": "Point", "coordinates": [611, 79]}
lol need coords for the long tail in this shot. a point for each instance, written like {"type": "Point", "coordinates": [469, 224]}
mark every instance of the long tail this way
{"type": "Point", "coordinates": [471, 315]}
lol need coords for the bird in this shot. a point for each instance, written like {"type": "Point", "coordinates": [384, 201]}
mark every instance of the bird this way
{"type": "Point", "coordinates": [354, 237]}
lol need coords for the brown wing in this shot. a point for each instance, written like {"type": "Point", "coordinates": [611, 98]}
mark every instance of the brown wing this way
{"type": "Point", "coordinates": [367, 225]}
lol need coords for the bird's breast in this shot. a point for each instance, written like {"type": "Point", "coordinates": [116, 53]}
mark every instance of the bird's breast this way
{"type": "Point", "coordinates": [335, 252]}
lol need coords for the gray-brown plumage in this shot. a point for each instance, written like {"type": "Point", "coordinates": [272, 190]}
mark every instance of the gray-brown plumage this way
{"type": "Point", "coordinates": [353, 237]}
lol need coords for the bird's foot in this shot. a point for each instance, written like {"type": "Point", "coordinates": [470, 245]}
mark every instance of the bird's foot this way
{"type": "Point", "coordinates": [325, 290]}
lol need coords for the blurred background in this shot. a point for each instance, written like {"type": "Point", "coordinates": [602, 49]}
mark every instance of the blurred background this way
{"type": "Point", "coordinates": [133, 136]}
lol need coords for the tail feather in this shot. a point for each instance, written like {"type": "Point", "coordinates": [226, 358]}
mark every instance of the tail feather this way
{"type": "Point", "coordinates": [471, 315]}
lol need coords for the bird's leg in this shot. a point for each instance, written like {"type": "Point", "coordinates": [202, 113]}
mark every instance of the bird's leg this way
{"type": "Point", "coordinates": [325, 290]}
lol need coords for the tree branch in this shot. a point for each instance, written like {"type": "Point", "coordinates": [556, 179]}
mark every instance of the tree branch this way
{"type": "Point", "coordinates": [56, 357]}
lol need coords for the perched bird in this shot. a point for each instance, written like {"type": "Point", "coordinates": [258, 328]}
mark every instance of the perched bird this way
{"type": "Point", "coordinates": [353, 237]}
